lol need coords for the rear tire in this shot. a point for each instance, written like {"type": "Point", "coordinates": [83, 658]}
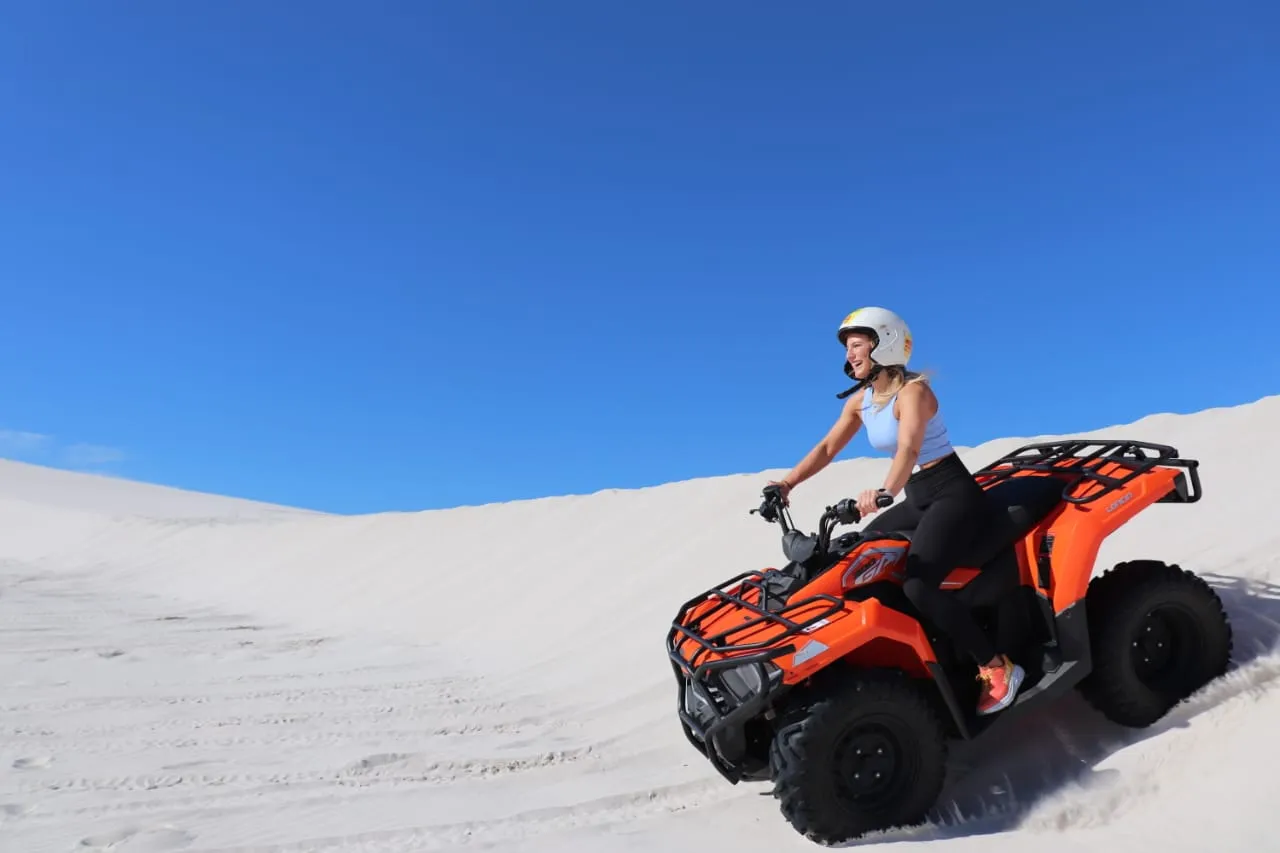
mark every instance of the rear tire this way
{"type": "Point", "coordinates": [868, 754]}
{"type": "Point", "coordinates": [1158, 634]}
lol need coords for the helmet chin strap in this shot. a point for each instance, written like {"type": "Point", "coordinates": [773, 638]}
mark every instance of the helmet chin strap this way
{"type": "Point", "coordinates": [862, 383]}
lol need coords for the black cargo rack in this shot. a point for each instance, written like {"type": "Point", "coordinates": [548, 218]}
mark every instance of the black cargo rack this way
{"type": "Point", "coordinates": [726, 713]}
{"type": "Point", "coordinates": [1078, 460]}
{"type": "Point", "coordinates": [718, 643]}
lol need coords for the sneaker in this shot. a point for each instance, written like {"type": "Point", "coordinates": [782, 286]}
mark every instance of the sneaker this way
{"type": "Point", "coordinates": [999, 686]}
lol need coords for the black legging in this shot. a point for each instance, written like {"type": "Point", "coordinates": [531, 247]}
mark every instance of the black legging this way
{"type": "Point", "coordinates": [945, 507]}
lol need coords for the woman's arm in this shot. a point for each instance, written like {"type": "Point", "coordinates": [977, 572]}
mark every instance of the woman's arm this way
{"type": "Point", "coordinates": [844, 429]}
{"type": "Point", "coordinates": [916, 404]}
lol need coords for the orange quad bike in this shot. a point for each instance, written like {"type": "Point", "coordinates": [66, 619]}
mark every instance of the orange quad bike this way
{"type": "Point", "coordinates": [821, 678]}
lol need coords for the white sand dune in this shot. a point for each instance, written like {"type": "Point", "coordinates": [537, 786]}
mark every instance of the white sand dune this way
{"type": "Point", "coordinates": [187, 672]}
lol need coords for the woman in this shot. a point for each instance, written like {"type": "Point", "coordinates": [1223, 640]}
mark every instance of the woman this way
{"type": "Point", "coordinates": [944, 504]}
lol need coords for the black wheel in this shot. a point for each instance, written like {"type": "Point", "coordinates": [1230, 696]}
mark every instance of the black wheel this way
{"type": "Point", "coordinates": [1158, 634]}
{"type": "Point", "coordinates": [866, 754]}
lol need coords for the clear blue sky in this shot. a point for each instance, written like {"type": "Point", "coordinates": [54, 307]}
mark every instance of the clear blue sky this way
{"type": "Point", "coordinates": [368, 256]}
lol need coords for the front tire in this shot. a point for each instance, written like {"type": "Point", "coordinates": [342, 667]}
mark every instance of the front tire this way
{"type": "Point", "coordinates": [1158, 634]}
{"type": "Point", "coordinates": [868, 754]}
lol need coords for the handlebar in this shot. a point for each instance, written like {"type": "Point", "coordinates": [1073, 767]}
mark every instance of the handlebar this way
{"type": "Point", "coordinates": [774, 508]}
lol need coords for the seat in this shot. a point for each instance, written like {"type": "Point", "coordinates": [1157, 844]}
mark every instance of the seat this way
{"type": "Point", "coordinates": [1018, 504]}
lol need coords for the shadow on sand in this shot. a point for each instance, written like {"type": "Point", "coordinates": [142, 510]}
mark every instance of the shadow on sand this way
{"type": "Point", "coordinates": [1058, 748]}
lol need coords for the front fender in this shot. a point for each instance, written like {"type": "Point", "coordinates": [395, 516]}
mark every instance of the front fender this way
{"type": "Point", "coordinates": [865, 633]}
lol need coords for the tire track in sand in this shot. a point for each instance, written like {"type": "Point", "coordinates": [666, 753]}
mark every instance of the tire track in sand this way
{"type": "Point", "coordinates": [220, 737]}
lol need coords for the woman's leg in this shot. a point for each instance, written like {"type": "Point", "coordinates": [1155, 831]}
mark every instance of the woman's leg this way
{"type": "Point", "coordinates": [945, 529]}
{"type": "Point", "coordinates": [952, 518]}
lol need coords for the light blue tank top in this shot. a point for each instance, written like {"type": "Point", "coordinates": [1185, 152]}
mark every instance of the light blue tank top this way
{"type": "Point", "coordinates": [882, 431]}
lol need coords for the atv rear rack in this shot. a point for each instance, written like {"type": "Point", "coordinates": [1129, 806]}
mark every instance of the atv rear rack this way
{"type": "Point", "coordinates": [1080, 461]}
{"type": "Point", "coordinates": [765, 612]}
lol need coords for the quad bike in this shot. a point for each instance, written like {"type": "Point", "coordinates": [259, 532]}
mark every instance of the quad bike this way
{"type": "Point", "coordinates": [821, 678]}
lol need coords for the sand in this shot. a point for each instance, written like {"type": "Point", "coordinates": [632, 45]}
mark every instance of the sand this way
{"type": "Point", "coordinates": [188, 672]}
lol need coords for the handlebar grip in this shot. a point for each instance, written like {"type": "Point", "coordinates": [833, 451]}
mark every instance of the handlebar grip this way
{"type": "Point", "coordinates": [847, 512]}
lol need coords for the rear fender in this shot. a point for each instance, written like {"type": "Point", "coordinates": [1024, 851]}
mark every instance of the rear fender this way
{"type": "Point", "coordinates": [1079, 530]}
{"type": "Point", "coordinates": [866, 634]}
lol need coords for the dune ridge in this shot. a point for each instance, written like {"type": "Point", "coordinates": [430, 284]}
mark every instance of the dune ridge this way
{"type": "Point", "coordinates": [191, 672]}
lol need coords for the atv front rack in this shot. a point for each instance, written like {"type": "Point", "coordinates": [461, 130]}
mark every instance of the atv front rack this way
{"type": "Point", "coordinates": [769, 608]}
{"type": "Point", "coordinates": [716, 729]}
{"type": "Point", "coordinates": [1107, 464]}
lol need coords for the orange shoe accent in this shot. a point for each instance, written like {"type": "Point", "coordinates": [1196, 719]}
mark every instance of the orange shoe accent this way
{"type": "Point", "coordinates": [999, 686]}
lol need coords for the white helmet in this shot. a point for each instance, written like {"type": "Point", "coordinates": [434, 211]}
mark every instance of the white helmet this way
{"type": "Point", "coordinates": [890, 334]}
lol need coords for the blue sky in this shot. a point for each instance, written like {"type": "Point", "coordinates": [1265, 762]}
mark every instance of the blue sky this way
{"type": "Point", "coordinates": [412, 255]}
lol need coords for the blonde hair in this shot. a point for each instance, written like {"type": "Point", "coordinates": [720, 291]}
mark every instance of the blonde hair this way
{"type": "Point", "coordinates": [899, 378]}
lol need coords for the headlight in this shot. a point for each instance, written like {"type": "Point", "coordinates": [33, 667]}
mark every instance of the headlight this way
{"type": "Point", "coordinates": [744, 682]}
{"type": "Point", "coordinates": [696, 704]}
{"type": "Point", "coordinates": [705, 702]}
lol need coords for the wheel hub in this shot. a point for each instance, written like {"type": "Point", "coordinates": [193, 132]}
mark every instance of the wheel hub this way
{"type": "Point", "coordinates": [869, 763]}
{"type": "Point", "coordinates": [1153, 647]}
{"type": "Point", "coordinates": [1160, 647]}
